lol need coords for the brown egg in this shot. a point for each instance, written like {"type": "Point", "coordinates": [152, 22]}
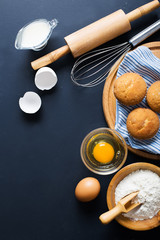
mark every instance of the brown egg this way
{"type": "Point", "coordinates": [87, 189]}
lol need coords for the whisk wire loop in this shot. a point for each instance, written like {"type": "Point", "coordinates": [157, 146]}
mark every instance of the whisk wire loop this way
{"type": "Point", "coordinates": [90, 66]}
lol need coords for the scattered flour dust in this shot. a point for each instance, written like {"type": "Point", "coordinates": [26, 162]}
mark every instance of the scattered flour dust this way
{"type": "Point", "coordinates": [148, 184]}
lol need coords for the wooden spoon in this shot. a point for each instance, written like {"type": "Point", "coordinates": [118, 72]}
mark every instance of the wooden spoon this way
{"type": "Point", "coordinates": [124, 205]}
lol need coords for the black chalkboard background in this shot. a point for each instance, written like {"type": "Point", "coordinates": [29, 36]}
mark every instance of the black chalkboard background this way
{"type": "Point", "coordinates": [40, 161]}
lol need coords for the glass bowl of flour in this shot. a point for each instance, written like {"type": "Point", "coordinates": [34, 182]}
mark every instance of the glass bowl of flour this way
{"type": "Point", "coordinates": [142, 177]}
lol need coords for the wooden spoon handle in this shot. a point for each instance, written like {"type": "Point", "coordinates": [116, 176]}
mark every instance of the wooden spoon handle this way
{"type": "Point", "coordinates": [50, 57]}
{"type": "Point", "coordinates": [107, 217]}
{"type": "Point", "coordinates": [143, 10]}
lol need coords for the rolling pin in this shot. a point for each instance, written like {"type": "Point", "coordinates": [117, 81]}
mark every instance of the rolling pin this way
{"type": "Point", "coordinates": [95, 34]}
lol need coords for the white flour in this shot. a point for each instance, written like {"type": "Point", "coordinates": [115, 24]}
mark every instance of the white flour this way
{"type": "Point", "coordinates": [148, 184]}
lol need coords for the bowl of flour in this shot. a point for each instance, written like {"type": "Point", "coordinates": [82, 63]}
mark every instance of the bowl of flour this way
{"type": "Point", "coordinates": [142, 177]}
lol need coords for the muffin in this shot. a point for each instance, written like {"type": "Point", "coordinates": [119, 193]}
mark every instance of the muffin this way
{"type": "Point", "coordinates": [130, 89]}
{"type": "Point", "coordinates": [142, 123]}
{"type": "Point", "coordinates": [153, 96]}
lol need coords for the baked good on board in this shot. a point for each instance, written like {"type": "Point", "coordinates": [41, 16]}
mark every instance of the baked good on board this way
{"type": "Point", "coordinates": [130, 89]}
{"type": "Point", "coordinates": [142, 123]}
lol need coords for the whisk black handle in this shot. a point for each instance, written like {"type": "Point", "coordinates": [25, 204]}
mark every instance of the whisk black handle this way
{"type": "Point", "coordinates": [147, 32]}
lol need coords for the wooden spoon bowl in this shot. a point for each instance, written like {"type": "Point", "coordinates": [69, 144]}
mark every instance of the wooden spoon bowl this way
{"type": "Point", "coordinates": [124, 221]}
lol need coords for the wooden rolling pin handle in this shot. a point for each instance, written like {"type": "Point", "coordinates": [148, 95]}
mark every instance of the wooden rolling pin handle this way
{"type": "Point", "coordinates": [94, 35]}
{"type": "Point", "coordinates": [143, 10]}
{"type": "Point", "coordinates": [107, 217]}
{"type": "Point", "coordinates": [50, 57]}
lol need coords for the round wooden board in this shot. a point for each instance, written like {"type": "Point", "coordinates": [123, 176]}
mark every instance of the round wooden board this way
{"type": "Point", "coordinates": [109, 100]}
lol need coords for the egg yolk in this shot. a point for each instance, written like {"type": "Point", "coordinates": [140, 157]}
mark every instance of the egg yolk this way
{"type": "Point", "coordinates": [103, 152]}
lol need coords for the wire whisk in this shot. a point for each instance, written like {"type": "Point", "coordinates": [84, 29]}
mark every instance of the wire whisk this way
{"type": "Point", "coordinates": [93, 67]}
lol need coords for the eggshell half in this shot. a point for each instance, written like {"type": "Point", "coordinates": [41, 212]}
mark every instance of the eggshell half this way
{"type": "Point", "coordinates": [87, 189]}
{"type": "Point", "coordinates": [30, 102]}
{"type": "Point", "coordinates": [45, 78]}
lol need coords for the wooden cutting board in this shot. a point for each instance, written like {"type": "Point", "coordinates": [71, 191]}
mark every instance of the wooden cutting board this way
{"type": "Point", "coordinates": [109, 100]}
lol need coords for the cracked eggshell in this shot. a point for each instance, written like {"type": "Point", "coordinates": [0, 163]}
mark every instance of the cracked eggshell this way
{"type": "Point", "coordinates": [30, 102]}
{"type": "Point", "coordinates": [45, 78]}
